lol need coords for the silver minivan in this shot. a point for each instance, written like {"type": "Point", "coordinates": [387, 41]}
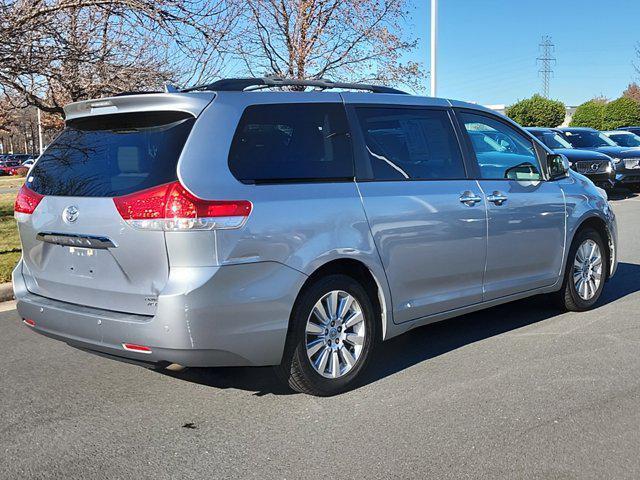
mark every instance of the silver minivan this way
{"type": "Point", "coordinates": [223, 226]}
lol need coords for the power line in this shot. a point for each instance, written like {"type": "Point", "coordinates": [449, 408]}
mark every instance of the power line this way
{"type": "Point", "coordinates": [546, 60]}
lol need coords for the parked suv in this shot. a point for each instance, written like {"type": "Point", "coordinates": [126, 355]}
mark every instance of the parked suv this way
{"type": "Point", "coordinates": [623, 138]}
{"type": "Point", "coordinates": [596, 166]}
{"type": "Point", "coordinates": [635, 130]}
{"type": "Point", "coordinates": [218, 226]}
{"type": "Point", "coordinates": [626, 160]}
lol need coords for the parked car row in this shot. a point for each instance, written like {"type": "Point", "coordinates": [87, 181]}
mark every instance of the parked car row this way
{"type": "Point", "coordinates": [610, 158]}
{"type": "Point", "coordinates": [15, 164]}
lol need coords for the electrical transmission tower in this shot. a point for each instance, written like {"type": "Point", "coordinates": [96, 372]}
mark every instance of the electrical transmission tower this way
{"type": "Point", "coordinates": [546, 60]}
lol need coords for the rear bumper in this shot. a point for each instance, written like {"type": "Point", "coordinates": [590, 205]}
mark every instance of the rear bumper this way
{"type": "Point", "coordinates": [234, 315]}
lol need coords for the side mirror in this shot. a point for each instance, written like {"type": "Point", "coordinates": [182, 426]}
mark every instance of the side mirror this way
{"type": "Point", "coordinates": [558, 166]}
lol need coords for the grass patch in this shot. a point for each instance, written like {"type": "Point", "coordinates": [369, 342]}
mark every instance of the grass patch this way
{"type": "Point", "coordinates": [8, 261]}
{"type": "Point", "coordinates": [10, 249]}
{"type": "Point", "coordinates": [11, 181]}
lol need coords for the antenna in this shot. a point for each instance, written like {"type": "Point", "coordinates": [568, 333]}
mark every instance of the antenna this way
{"type": "Point", "coordinates": [546, 60]}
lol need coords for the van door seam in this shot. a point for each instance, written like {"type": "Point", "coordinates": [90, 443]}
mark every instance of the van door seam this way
{"type": "Point", "coordinates": [375, 245]}
{"type": "Point", "coordinates": [486, 237]}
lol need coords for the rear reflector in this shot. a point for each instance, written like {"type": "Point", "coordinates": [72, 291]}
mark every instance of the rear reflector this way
{"type": "Point", "coordinates": [172, 207]}
{"type": "Point", "coordinates": [27, 200]}
{"type": "Point", "coordinates": [29, 322]}
{"type": "Point", "coordinates": [132, 347]}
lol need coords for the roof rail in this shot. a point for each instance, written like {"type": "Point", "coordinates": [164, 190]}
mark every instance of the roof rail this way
{"type": "Point", "coordinates": [241, 84]}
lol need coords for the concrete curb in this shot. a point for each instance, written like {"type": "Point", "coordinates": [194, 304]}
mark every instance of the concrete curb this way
{"type": "Point", "coordinates": [6, 292]}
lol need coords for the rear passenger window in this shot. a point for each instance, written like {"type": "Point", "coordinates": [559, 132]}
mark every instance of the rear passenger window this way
{"type": "Point", "coordinates": [410, 143]}
{"type": "Point", "coordinates": [292, 142]}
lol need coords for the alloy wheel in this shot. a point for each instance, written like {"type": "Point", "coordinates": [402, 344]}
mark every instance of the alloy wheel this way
{"type": "Point", "coordinates": [335, 334]}
{"type": "Point", "coordinates": [587, 269]}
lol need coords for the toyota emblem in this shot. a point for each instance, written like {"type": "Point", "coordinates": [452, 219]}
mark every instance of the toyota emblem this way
{"type": "Point", "coordinates": [70, 214]}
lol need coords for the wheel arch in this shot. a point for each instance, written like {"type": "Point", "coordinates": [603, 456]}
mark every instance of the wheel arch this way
{"type": "Point", "coordinates": [360, 272]}
{"type": "Point", "coordinates": [599, 225]}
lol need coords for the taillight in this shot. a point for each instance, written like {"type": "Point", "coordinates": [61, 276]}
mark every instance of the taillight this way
{"type": "Point", "coordinates": [132, 347]}
{"type": "Point", "coordinates": [27, 200]}
{"type": "Point", "coordinates": [172, 207]}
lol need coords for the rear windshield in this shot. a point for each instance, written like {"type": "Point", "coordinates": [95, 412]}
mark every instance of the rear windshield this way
{"type": "Point", "coordinates": [112, 155]}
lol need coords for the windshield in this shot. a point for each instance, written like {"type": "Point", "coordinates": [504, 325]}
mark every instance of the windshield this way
{"type": "Point", "coordinates": [625, 139]}
{"type": "Point", "coordinates": [553, 140]}
{"type": "Point", "coordinates": [588, 139]}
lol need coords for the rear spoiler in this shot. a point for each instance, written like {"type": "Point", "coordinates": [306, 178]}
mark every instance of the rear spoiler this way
{"type": "Point", "coordinates": [192, 103]}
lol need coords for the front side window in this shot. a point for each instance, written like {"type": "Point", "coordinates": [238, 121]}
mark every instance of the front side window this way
{"type": "Point", "coordinates": [292, 142]}
{"type": "Point", "coordinates": [410, 143]}
{"type": "Point", "coordinates": [501, 151]}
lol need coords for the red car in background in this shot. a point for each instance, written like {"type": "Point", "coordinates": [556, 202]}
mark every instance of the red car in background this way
{"type": "Point", "coordinates": [13, 164]}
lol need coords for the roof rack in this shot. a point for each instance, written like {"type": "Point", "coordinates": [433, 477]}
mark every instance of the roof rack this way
{"type": "Point", "coordinates": [242, 84]}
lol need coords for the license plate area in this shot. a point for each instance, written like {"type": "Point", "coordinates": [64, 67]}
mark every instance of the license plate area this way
{"type": "Point", "coordinates": [82, 261]}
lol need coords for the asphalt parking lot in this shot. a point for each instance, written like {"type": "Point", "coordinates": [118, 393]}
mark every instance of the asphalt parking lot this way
{"type": "Point", "coordinates": [517, 391]}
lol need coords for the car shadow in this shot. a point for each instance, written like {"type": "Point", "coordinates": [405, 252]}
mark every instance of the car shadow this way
{"type": "Point", "coordinates": [422, 343]}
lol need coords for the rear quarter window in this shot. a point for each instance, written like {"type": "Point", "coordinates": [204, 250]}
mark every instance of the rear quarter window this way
{"type": "Point", "coordinates": [292, 143]}
{"type": "Point", "coordinates": [112, 155]}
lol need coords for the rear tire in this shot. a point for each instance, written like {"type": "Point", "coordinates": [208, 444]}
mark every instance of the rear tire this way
{"type": "Point", "coordinates": [331, 336]}
{"type": "Point", "coordinates": [585, 272]}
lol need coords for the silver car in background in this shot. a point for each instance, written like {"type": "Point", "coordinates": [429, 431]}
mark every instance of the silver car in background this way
{"type": "Point", "coordinates": [225, 227]}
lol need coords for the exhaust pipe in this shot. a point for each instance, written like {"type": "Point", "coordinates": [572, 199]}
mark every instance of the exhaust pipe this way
{"type": "Point", "coordinates": [176, 367]}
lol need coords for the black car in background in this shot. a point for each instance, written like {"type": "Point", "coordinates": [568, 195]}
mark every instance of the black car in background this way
{"type": "Point", "coordinates": [624, 138]}
{"type": "Point", "coordinates": [598, 167]}
{"type": "Point", "coordinates": [625, 160]}
{"type": "Point", "coordinates": [635, 130]}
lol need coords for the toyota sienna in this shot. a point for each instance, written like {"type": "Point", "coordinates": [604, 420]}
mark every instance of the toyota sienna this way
{"type": "Point", "coordinates": [221, 226]}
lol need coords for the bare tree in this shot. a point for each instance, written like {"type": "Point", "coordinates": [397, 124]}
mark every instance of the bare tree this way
{"type": "Point", "coordinates": [358, 40]}
{"type": "Point", "coordinates": [632, 92]}
{"type": "Point", "coordinates": [56, 51]}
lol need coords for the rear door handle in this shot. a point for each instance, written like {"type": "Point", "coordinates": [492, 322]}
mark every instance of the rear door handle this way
{"type": "Point", "coordinates": [497, 198]}
{"type": "Point", "coordinates": [470, 198]}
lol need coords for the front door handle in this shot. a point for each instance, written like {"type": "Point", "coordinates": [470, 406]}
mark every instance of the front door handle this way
{"type": "Point", "coordinates": [469, 198]}
{"type": "Point", "coordinates": [497, 198]}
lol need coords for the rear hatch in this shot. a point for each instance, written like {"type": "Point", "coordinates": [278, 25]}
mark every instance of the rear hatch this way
{"type": "Point", "coordinates": [77, 247]}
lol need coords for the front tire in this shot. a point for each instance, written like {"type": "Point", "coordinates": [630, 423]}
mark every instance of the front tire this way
{"type": "Point", "coordinates": [331, 337]}
{"type": "Point", "coordinates": [585, 272]}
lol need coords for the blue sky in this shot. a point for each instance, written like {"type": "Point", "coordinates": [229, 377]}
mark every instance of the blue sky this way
{"type": "Point", "coordinates": [487, 48]}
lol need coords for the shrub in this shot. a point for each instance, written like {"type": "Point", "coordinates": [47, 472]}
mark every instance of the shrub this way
{"type": "Point", "coordinates": [537, 111]}
{"type": "Point", "coordinates": [621, 112]}
{"type": "Point", "coordinates": [589, 114]}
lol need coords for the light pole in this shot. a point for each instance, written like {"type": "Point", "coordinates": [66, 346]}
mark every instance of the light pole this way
{"type": "Point", "coordinates": [434, 41]}
{"type": "Point", "coordinates": [39, 132]}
